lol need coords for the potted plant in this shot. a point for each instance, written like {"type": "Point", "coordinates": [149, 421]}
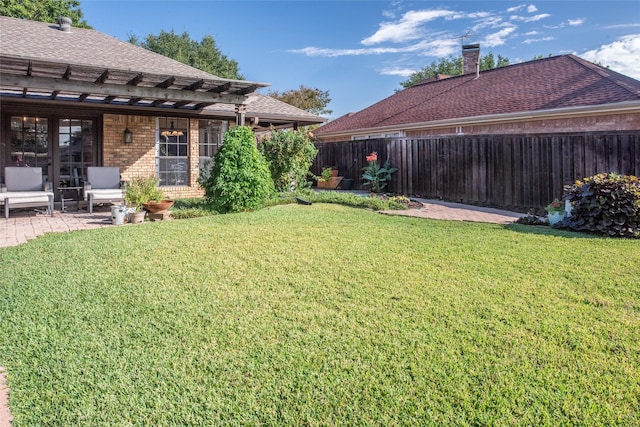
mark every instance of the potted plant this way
{"type": "Point", "coordinates": [140, 191]}
{"type": "Point", "coordinates": [329, 178]}
{"type": "Point", "coordinates": [555, 211]}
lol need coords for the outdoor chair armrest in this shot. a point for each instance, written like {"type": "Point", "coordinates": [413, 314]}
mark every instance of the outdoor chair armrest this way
{"type": "Point", "coordinates": [47, 186]}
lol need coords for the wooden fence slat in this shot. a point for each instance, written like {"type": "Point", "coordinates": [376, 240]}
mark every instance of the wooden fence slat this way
{"type": "Point", "coordinates": [511, 171]}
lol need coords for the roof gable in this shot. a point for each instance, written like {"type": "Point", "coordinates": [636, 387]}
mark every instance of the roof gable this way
{"type": "Point", "coordinates": [45, 41]}
{"type": "Point", "coordinates": [546, 84]}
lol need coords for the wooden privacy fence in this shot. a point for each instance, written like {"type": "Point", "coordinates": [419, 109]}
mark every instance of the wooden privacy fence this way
{"type": "Point", "coordinates": [518, 172]}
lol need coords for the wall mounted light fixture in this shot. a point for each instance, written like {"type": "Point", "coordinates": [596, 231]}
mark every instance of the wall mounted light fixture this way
{"type": "Point", "coordinates": [128, 135]}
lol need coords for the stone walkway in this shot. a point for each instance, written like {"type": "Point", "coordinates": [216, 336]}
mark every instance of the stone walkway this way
{"type": "Point", "coordinates": [24, 225]}
{"type": "Point", "coordinates": [437, 209]}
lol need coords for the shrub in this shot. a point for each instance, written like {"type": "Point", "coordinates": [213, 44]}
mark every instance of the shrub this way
{"type": "Point", "coordinates": [141, 190]}
{"type": "Point", "coordinates": [607, 204]}
{"type": "Point", "coordinates": [240, 179]}
{"type": "Point", "coordinates": [290, 155]}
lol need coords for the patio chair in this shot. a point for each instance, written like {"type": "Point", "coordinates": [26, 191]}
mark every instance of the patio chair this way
{"type": "Point", "coordinates": [24, 187]}
{"type": "Point", "coordinates": [103, 185]}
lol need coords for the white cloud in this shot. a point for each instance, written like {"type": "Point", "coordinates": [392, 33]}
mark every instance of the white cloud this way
{"type": "Point", "coordinates": [395, 71]}
{"type": "Point", "coordinates": [570, 22]}
{"type": "Point", "coordinates": [532, 33]}
{"type": "Point", "coordinates": [531, 8]}
{"type": "Point", "coordinates": [388, 14]}
{"type": "Point", "coordinates": [498, 38]}
{"type": "Point", "coordinates": [516, 8]}
{"type": "Point", "coordinates": [533, 18]}
{"type": "Point", "coordinates": [622, 55]}
{"type": "Point", "coordinates": [542, 39]}
{"type": "Point", "coordinates": [613, 27]}
{"type": "Point", "coordinates": [437, 47]}
{"type": "Point", "coordinates": [407, 28]}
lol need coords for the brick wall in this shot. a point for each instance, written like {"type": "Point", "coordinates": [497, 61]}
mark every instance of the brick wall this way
{"type": "Point", "coordinates": [139, 158]}
{"type": "Point", "coordinates": [595, 123]}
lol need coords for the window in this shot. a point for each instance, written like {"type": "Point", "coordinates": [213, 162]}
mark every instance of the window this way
{"type": "Point", "coordinates": [29, 144]}
{"type": "Point", "coordinates": [210, 134]}
{"type": "Point", "coordinates": [172, 162]}
{"type": "Point", "coordinates": [399, 134]}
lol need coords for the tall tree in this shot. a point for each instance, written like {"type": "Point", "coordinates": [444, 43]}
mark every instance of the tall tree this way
{"type": "Point", "coordinates": [452, 67]}
{"type": "Point", "coordinates": [203, 55]}
{"type": "Point", "coordinates": [44, 10]}
{"type": "Point", "coordinates": [309, 99]}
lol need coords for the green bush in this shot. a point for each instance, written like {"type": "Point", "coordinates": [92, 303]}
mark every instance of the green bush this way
{"type": "Point", "coordinates": [240, 179]}
{"type": "Point", "coordinates": [141, 190]}
{"type": "Point", "coordinates": [290, 155]}
{"type": "Point", "coordinates": [607, 204]}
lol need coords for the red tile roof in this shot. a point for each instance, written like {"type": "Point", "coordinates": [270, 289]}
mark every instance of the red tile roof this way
{"type": "Point", "coordinates": [545, 84]}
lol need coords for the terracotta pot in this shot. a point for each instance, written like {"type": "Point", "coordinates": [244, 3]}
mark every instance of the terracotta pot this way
{"type": "Point", "coordinates": [137, 217]}
{"type": "Point", "coordinates": [158, 207]}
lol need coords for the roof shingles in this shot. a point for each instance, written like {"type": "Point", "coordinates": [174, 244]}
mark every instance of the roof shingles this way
{"type": "Point", "coordinates": [23, 38]}
{"type": "Point", "coordinates": [550, 83]}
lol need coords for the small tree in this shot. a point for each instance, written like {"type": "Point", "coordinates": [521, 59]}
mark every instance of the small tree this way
{"type": "Point", "coordinates": [305, 98]}
{"type": "Point", "coordinates": [290, 155]}
{"type": "Point", "coordinates": [44, 10]}
{"type": "Point", "coordinates": [240, 179]}
{"type": "Point", "coordinates": [452, 67]}
{"type": "Point", "coordinates": [203, 55]}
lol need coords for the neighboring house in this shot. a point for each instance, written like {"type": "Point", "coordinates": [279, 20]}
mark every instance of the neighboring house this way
{"type": "Point", "coordinates": [552, 95]}
{"type": "Point", "coordinates": [72, 98]}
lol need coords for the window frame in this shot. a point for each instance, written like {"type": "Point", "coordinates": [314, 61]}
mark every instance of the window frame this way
{"type": "Point", "coordinates": [172, 146]}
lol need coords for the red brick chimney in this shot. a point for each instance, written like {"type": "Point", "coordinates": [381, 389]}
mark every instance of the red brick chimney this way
{"type": "Point", "coordinates": [471, 59]}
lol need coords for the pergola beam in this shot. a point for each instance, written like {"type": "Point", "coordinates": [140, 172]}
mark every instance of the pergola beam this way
{"type": "Point", "coordinates": [136, 80]}
{"type": "Point", "coordinates": [165, 84]}
{"type": "Point", "coordinates": [103, 77]}
{"type": "Point", "coordinates": [116, 90]}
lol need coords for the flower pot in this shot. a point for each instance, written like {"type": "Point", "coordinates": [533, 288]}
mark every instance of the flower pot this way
{"type": "Point", "coordinates": [138, 217]}
{"type": "Point", "coordinates": [158, 207]}
{"type": "Point", "coordinates": [555, 217]}
{"type": "Point", "coordinates": [346, 184]}
{"type": "Point", "coordinates": [332, 184]}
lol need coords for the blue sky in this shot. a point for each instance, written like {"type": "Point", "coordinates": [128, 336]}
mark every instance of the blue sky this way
{"type": "Point", "coordinates": [360, 51]}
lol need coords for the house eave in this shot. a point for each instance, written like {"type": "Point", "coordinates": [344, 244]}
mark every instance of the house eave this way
{"type": "Point", "coordinates": [559, 113]}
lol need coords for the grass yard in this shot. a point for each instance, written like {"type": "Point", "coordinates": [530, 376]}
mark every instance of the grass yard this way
{"type": "Point", "coordinates": [321, 315]}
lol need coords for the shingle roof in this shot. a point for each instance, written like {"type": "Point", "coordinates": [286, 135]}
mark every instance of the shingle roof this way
{"type": "Point", "coordinates": [23, 38]}
{"type": "Point", "coordinates": [546, 84]}
{"type": "Point", "coordinates": [22, 42]}
{"type": "Point", "coordinates": [268, 108]}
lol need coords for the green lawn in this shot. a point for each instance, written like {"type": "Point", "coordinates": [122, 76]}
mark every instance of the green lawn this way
{"type": "Point", "coordinates": [321, 315]}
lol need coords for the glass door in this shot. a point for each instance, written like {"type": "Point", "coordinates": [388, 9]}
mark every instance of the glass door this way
{"type": "Point", "coordinates": [75, 151]}
{"type": "Point", "coordinates": [29, 143]}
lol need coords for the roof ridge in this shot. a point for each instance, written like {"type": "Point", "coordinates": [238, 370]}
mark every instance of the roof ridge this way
{"type": "Point", "coordinates": [607, 73]}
